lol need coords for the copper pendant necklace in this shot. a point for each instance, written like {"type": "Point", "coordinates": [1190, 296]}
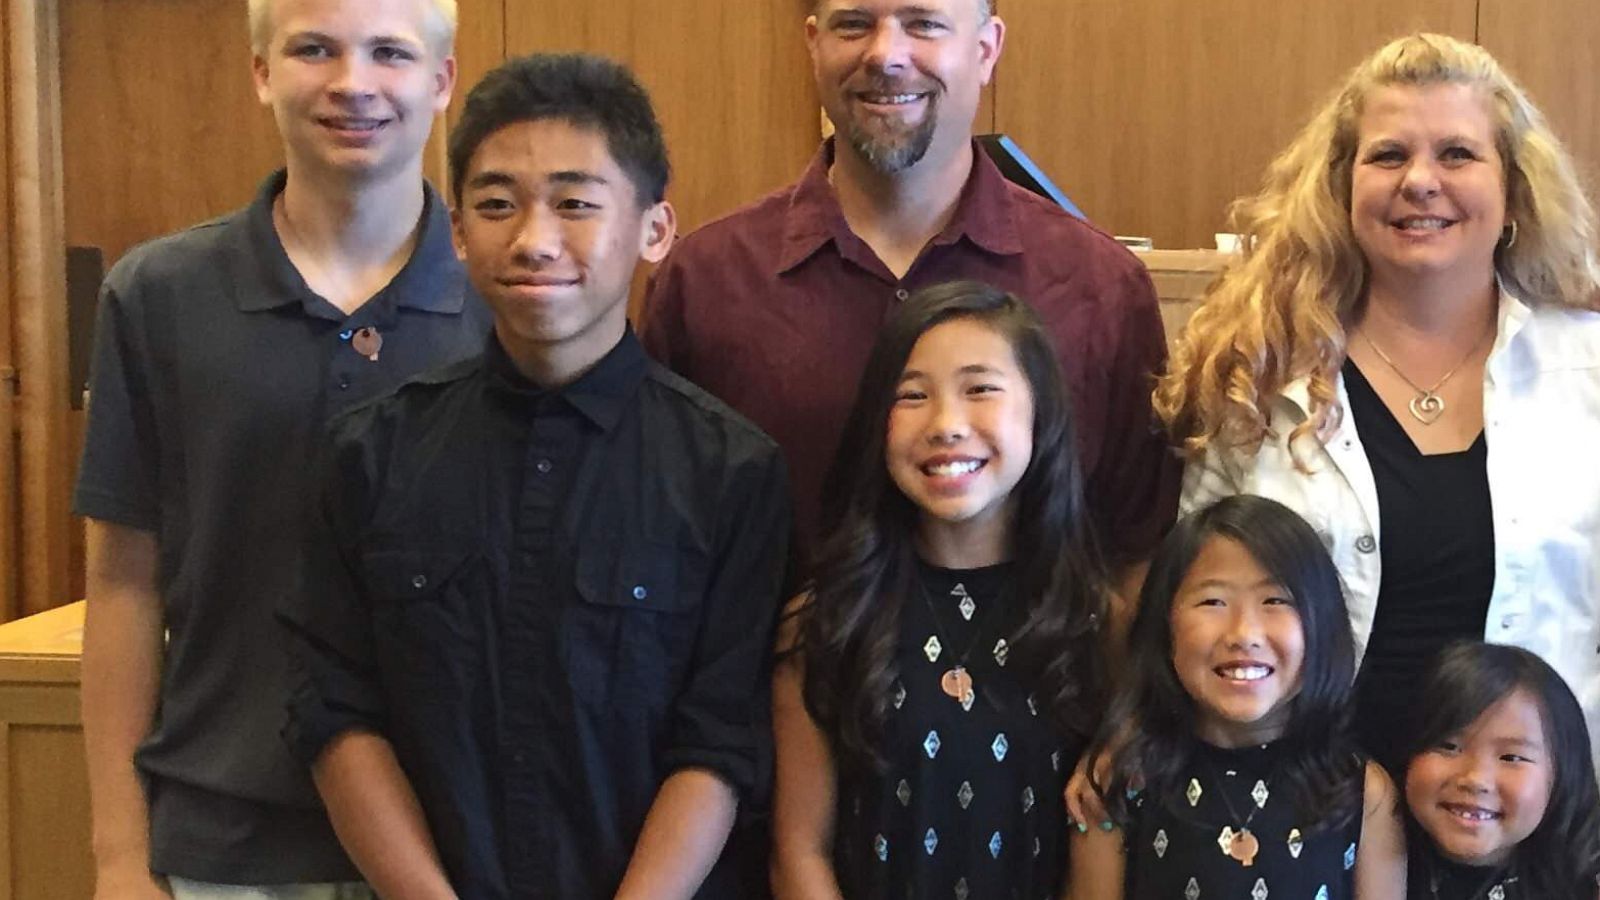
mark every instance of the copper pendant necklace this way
{"type": "Point", "coordinates": [957, 680]}
{"type": "Point", "coordinates": [1241, 844]}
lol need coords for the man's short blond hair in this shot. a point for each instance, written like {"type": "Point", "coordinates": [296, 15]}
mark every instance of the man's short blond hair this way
{"type": "Point", "coordinates": [441, 33]}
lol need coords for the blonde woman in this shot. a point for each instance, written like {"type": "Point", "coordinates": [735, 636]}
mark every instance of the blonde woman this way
{"type": "Point", "coordinates": [1408, 355]}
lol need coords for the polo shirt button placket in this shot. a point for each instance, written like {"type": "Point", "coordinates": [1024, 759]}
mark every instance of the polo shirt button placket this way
{"type": "Point", "coordinates": [901, 294]}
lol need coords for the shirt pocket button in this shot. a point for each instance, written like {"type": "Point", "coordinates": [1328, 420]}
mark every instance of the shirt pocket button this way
{"type": "Point", "coordinates": [639, 592]}
{"type": "Point", "coordinates": [1366, 543]}
{"type": "Point", "coordinates": [419, 581]}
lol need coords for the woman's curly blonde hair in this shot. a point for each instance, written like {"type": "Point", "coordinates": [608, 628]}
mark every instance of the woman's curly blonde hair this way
{"type": "Point", "coordinates": [1278, 314]}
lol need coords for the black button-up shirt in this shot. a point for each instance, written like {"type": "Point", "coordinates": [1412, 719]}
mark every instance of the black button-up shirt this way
{"type": "Point", "coordinates": [548, 602]}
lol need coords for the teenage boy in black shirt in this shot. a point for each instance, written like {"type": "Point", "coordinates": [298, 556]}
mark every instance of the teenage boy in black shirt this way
{"type": "Point", "coordinates": [542, 583]}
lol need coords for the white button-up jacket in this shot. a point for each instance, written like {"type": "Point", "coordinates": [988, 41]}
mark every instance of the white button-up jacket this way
{"type": "Point", "coordinates": [1541, 410]}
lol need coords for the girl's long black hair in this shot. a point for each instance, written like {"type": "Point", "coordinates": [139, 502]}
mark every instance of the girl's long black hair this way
{"type": "Point", "coordinates": [1149, 738]}
{"type": "Point", "coordinates": [1560, 860]}
{"type": "Point", "coordinates": [864, 565]}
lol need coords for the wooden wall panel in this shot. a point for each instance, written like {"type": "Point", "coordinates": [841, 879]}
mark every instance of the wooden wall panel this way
{"type": "Point", "coordinates": [1552, 47]}
{"type": "Point", "coordinates": [1153, 115]}
{"type": "Point", "coordinates": [730, 80]}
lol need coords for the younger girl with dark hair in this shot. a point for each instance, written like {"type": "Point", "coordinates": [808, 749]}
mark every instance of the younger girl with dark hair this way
{"type": "Point", "coordinates": [941, 672]}
{"type": "Point", "coordinates": [1500, 783]}
{"type": "Point", "coordinates": [1225, 758]}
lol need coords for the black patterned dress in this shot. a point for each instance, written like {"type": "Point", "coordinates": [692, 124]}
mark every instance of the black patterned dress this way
{"type": "Point", "coordinates": [1432, 877]}
{"type": "Point", "coordinates": [1178, 853]}
{"type": "Point", "coordinates": [970, 804]}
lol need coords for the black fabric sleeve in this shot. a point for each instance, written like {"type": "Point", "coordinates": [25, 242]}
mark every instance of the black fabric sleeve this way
{"type": "Point", "coordinates": [720, 719]}
{"type": "Point", "coordinates": [118, 477]}
{"type": "Point", "coordinates": [334, 680]}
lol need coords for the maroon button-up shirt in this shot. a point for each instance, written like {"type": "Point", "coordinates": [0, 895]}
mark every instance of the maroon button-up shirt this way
{"type": "Point", "coordinates": [774, 309]}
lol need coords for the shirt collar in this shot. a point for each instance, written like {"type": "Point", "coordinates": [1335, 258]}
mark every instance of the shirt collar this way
{"type": "Point", "coordinates": [984, 213]}
{"type": "Point", "coordinates": [600, 394]}
{"type": "Point", "coordinates": [430, 281]}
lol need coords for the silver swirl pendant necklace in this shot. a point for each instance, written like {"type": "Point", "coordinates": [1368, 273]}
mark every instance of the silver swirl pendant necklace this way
{"type": "Point", "coordinates": [1427, 406]}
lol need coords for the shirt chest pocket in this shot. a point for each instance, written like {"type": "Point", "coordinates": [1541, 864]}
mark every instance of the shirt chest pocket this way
{"type": "Point", "coordinates": [628, 637]}
{"type": "Point", "coordinates": [426, 624]}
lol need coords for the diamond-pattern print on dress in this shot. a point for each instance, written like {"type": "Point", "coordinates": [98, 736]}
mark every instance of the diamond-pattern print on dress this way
{"type": "Point", "coordinates": [967, 607]}
{"type": "Point", "coordinates": [899, 695]}
{"type": "Point", "coordinates": [964, 795]}
{"type": "Point", "coordinates": [933, 648]}
{"type": "Point", "coordinates": [1002, 651]}
{"type": "Point", "coordinates": [1027, 799]}
{"type": "Point", "coordinates": [881, 845]}
{"type": "Point", "coordinates": [930, 841]}
{"type": "Point", "coordinates": [1498, 892]}
{"type": "Point", "coordinates": [1225, 840]}
{"type": "Point", "coordinates": [994, 845]}
{"type": "Point", "coordinates": [930, 744]}
{"type": "Point", "coordinates": [1055, 760]}
{"type": "Point", "coordinates": [1296, 843]}
{"type": "Point", "coordinates": [1033, 707]}
{"type": "Point", "coordinates": [903, 793]}
{"type": "Point", "coordinates": [967, 700]}
{"type": "Point", "coordinates": [1350, 857]}
{"type": "Point", "coordinates": [1194, 792]}
{"type": "Point", "coordinates": [1037, 847]}
{"type": "Point", "coordinates": [1192, 892]}
{"type": "Point", "coordinates": [1260, 794]}
{"type": "Point", "coordinates": [1161, 843]}
{"type": "Point", "coordinates": [1322, 893]}
{"type": "Point", "coordinates": [1259, 892]}
{"type": "Point", "coordinates": [962, 891]}
{"type": "Point", "coordinates": [1000, 746]}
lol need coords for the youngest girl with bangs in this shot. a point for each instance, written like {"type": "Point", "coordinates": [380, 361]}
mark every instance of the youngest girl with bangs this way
{"type": "Point", "coordinates": [1225, 759]}
{"type": "Point", "coordinates": [1501, 783]}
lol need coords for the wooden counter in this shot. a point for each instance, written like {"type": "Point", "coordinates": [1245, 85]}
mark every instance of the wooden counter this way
{"type": "Point", "coordinates": [1181, 278]}
{"type": "Point", "coordinates": [44, 789]}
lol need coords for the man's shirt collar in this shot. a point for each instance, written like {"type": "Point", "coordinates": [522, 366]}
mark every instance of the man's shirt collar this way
{"type": "Point", "coordinates": [983, 213]}
{"type": "Point", "coordinates": [430, 281]}
{"type": "Point", "coordinates": [600, 394]}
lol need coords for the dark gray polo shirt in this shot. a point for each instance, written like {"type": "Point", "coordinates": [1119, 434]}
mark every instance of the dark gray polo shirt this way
{"type": "Point", "coordinates": [215, 369]}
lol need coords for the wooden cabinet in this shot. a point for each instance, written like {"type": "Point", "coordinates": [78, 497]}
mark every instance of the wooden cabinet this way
{"type": "Point", "coordinates": [44, 787]}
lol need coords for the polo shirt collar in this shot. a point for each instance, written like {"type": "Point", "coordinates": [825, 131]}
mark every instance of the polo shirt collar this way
{"type": "Point", "coordinates": [599, 395]}
{"type": "Point", "coordinates": [430, 280]}
{"type": "Point", "coordinates": [984, 213]}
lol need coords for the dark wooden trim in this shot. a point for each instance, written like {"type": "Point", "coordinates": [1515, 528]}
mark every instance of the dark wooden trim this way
{"type": "Point", "coordinates": [38, 314]}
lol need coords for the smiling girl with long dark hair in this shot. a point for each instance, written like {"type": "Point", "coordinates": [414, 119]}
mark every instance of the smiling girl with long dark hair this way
{"type": "Point", "coordinates": [941, 672]}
